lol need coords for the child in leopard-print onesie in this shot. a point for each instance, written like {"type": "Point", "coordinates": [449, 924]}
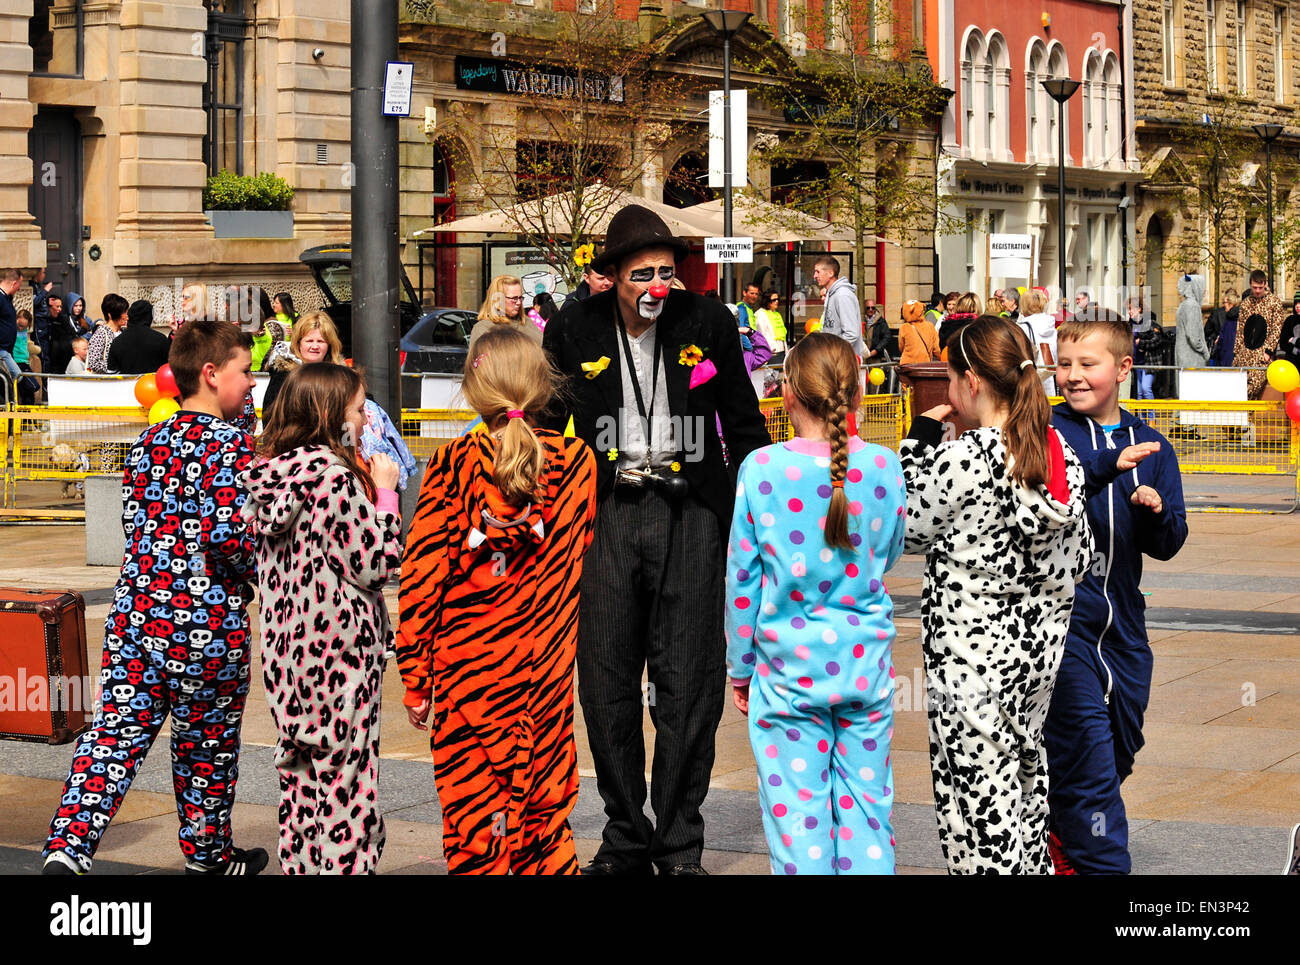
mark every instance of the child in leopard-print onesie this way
{"type": "Point", "coordinates": [327, 533]}
{"type": "Point", "coordinates": [999, 513]}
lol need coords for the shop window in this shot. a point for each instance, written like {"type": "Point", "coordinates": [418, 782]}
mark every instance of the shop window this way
{"type": "Point", "coordinates": [547, 167]}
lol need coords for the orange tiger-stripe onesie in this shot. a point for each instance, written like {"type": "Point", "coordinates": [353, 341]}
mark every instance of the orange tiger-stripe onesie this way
{"type": "Point", "coordinates": [489, 626]}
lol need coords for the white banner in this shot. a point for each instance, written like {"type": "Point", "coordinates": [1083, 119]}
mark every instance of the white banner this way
{"type": "Point", "coordinates": [739, 138]}
{"type": "Point", "coordinates": [1011, 256]}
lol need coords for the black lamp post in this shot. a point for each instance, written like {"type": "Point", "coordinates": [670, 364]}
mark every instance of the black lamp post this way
{"type": "Point", "coordinates": [726, 23]}
{"type": "Point", "coordinates": [1269, 133]}
{"type": "Point", "coordinates": [1060, 89]}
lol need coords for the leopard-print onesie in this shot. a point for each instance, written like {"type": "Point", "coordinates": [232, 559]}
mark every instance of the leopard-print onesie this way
{"type": "Point", "coordinates": [324, 554]}
{"type": "Point", "coordinates": [1001, 564]}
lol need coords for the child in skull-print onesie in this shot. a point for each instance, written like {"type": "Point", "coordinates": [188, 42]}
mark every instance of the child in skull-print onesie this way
{"type": "Point", "coordinates": [810, 627]}
{"type": "Point", "coordinates": [1002, 558]}
{"type": "Point", "coordinates": [176, 642]}
{"type": "Point", "coordinates": [327, 531]}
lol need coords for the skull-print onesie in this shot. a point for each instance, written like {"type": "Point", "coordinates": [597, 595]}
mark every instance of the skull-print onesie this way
{"type": "Point", "coordinates": [811, 628]}
{"type": "Point", "coordinates": [1001, 564]}
{"type": "Point", "coordinates": [176, 641]}
{"type": "Point", "coordinates": [324, 554]}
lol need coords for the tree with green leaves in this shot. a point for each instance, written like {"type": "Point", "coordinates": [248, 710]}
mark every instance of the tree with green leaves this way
{"type": "Point", "coordinates": [861, 113]}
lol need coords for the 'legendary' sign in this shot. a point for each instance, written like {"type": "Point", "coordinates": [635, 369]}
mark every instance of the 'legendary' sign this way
{"type": "Point", "coordinates": [506, 77]}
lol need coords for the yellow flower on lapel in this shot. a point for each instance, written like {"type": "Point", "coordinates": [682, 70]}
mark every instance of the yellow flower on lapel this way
{"type": "Point", "coordinates": [690, 356]}
{"type": "Point", "coordinates": [676, 467]}
{"type": "Point", "coordinates": [593, 369]}
{"type": "Point", "coordinates": [612, 455]}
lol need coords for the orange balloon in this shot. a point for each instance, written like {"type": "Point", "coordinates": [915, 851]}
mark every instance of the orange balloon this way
{"type": "Point", "coordinates": [146, 390]}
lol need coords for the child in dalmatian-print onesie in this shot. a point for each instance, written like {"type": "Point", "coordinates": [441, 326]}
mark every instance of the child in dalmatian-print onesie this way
{"type": "Point", "coordinates": [327, 530]}
{"type": "Point", "coordinates": [176, 641]}
{"type": "Point", "coordinates": [999, 513]}
{"type": "Point", "coordinates": [810, 629]}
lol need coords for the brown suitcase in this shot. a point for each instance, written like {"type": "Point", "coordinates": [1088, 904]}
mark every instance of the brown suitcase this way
{"type": "Point", "coordinates": [45, 691]}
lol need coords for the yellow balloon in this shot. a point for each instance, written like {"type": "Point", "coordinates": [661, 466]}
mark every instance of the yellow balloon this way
{"type": "Point", "coordinates": [163, 409]}
{"type": "Point", "coordinates": [876, 376]}
{"type": "Point", "coordinates": [1283, 376]}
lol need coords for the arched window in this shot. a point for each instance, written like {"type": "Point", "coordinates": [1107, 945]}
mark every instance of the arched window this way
{"type": "Point", "coordinates": [998, 98]}
{"type": "Point", "coordinates": [223, 92]}
{"type": "Point", "coordinates": [1094, 114]}
{"type": "Point", "coordinates": [1114, 142]}
{"type": "Point", "coordinates": [1037, 104]}
{"type": "Point", "coordinates": [974, 113]}
{"type": "Point", "coordinates": [1057, 66]}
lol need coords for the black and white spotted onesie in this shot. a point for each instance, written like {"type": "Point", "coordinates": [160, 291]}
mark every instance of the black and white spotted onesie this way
{"type": "Point", "coordinates": [1001, 564]}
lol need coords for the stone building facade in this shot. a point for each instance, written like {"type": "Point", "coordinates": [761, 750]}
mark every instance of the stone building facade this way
{"type": "Point", "coordinates": [1207, 72]}
{"type": "Point", "coordinates": [114, 112]}
{"type": "Point", "coordinates": [470, 123]}
{"type": "Point", "coordinates": [998, 171]}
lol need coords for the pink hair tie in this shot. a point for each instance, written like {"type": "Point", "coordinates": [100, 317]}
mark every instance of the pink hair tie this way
{"type": "Point", "coordinates": [478, 359]}
{"type": "Point", "coordinates": [515, 414]}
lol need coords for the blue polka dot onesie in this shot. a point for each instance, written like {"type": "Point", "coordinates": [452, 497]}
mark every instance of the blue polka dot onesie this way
{"type": "Point", "coordinates": [811, 628]}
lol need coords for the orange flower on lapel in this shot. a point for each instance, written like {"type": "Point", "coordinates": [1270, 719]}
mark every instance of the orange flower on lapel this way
{"type": "Point", "coordinates": [690, 356]}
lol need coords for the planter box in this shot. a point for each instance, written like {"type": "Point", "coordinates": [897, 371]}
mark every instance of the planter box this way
{"type": "Point", "coordinates": [251, 224]}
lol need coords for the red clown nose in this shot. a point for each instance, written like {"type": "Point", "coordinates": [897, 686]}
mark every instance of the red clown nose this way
{"type": "Point", "coordinates": [658, 290]}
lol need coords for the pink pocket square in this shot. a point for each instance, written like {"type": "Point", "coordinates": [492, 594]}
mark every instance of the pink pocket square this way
{"type": "Point", "coordinates": [702, 372]}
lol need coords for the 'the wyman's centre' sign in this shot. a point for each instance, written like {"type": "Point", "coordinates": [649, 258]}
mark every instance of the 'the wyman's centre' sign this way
{"type": "Point", "coordinates": [507, 77]}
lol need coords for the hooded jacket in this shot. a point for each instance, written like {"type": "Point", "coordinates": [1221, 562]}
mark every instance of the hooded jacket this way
{"type": "Point", "coordinates": [324, 553]}
{"type": "Point", "coordinates": [1001, 558]}
{"type": "Point", "coordinates": [841, 315]}
{"type": "Point", "coordinates": [1190, 350]}
{"type": "Point", "coordinates": [483, 577]}
{"type": "Point", "coordinates": [138, 348]}
{"type": "Point", "coordinates": [1109, 610]}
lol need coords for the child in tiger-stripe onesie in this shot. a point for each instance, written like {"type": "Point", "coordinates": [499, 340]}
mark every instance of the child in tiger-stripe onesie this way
{"type": "Point", "coordinates": [489, 618]}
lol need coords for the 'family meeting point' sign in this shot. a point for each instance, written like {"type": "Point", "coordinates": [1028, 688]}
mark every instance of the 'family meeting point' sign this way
{"type": "Point", "coordinates": [506, 77]}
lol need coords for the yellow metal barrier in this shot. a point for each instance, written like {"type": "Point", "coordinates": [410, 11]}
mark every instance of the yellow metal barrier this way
{"type": "Point", "coordinates": [1245, 438]}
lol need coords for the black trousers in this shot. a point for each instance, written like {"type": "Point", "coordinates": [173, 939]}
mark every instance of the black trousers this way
{"type": "Point", "coordinates": [681, 646]}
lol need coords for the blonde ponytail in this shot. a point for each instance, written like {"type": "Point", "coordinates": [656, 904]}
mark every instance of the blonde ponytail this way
{"type": "Point", "coordinates": [509, 382]}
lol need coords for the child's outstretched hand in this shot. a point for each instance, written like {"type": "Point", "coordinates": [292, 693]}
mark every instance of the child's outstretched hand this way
{"type": "Point", "coordinates": [1148, 497]}
{"type": "Point", "coordinates": [384, 471]}
{"type": "Point", "coordinates": [939, 413]}
{"type": "Point", "coordinates": [418, 714]}
{"type": "Point", "coordinates": [1132, 455]}
{"type": "Point", "coordinates": [740, 697]}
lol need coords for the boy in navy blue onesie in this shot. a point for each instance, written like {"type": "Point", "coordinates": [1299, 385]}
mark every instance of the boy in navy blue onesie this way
{"type": "Point", "coordinates": [177, 640]}
{"type": "Point", "coordinates": [1135, 506]}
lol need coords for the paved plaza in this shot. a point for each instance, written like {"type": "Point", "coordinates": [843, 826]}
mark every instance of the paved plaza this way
{"type": "Point", "coordinates": [1215, 791]}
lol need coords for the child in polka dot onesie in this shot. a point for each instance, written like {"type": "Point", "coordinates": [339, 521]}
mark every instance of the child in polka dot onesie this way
{"type": "Point", "coordinates": [810, 630]}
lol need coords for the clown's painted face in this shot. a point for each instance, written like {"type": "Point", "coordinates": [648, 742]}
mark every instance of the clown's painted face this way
{"type": "Point", "coordinates": [643, 282]}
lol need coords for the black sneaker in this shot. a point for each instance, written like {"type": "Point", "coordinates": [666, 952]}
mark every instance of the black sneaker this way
{"type": "Point", "coordinates": [240, 862]}
{"type": "Point", "coordinates": [1293, 859]}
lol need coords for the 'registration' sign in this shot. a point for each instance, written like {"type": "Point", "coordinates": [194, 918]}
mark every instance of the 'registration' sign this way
{"type": "Point", "coordinates": [1011, 256]}
{"type": "Point", "coordinates": [499, 76]}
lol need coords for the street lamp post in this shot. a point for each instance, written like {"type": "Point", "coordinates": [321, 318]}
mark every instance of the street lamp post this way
{"type": "Point", "coordinates": [1060, 89]}
{"type": "Point", "coordinates": [726, 23]}
{"type": "Point", "coordinates": [1269, 133]}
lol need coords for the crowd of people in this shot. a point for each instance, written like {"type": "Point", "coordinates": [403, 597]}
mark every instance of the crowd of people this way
{"type": "Point", "coordinates": [621, 515]}
{"type": "Point", "coordinates": [60, 336]}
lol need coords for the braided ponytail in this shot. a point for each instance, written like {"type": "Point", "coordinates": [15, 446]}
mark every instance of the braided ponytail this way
{"type": "Point", "coordinates": [822, 372]}
{"type": "Point", "coordinates": [837, 517]}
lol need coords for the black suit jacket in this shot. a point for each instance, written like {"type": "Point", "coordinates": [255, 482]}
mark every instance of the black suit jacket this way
{"type": "Point", "coordinates": [138, 349]}
{"type": "Point", "coordinates": [585, 331]}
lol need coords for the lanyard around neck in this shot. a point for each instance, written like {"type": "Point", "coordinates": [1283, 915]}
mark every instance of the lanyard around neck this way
{"type": "Point", "coordinates": [636, 383]}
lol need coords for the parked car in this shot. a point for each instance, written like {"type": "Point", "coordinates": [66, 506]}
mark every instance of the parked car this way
{"type": "Point", "coordinates": [331, 266]}
{"type": "Point", "coordinates": [438, 342]}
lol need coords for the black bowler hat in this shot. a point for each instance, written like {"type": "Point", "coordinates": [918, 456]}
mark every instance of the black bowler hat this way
{"type": "Point", "coordinates": [634, 229]}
